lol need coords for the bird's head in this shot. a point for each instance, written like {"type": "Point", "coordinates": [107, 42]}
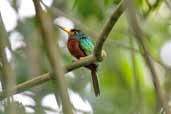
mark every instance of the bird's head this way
{"type": "Point", "coordinates": [72, 32]}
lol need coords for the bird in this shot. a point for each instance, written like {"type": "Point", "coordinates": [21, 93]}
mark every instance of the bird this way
{"type": "Point", "coordinates": [80, 45]}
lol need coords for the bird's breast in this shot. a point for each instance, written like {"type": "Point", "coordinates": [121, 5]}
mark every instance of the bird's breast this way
{"type": "Point", "coordinates": [74, 48]}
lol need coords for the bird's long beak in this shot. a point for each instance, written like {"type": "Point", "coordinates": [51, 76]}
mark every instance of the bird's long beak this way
{"type": "Point", "coordinates": [67, 31]}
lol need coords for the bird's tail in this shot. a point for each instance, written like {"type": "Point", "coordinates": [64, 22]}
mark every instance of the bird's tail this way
{"type": "Point", "coordinates": [95, 82]}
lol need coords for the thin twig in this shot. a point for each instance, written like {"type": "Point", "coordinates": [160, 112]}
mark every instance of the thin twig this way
{"type": "Point", "coordinates": [152, 7]}
{"type": "Point", "coordinates": [138, 100]}
{"type": "Point", "coordinates": [139, 35]}
{"type": "Point", "coordinates": [48, 36]}
{"type": "Point", "coordinates": [148, 4]}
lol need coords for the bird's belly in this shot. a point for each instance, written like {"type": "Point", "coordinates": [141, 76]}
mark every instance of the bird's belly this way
{"type": "Point", "coordinates": [74, 48]}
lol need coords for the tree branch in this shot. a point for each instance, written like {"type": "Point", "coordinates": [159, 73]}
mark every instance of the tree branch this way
{"type": "Point", "coordinates": [8, 78]}
{"type": "Point", "coordinates": [26, 85]}
{"type": "Point", "coordinates": [45, 77]}
{"type": "Point", "coordinates": [139, 35]}
{"type": "Point", "coordinates": [152, 7]}
{"type": "Point", "coordinates": [106, 30]}
{"type": "Point", "coordinates": [48, 36]}
{"type": "Point", "coordinates": [138, 94]}
{"type": "Point", "coordinates": [3, 58]}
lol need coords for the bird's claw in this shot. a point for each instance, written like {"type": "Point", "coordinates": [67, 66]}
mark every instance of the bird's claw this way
{"type": "Point", "coordinates": [81, 58]}
{"type": "Point", "coordinates": [75, 60]}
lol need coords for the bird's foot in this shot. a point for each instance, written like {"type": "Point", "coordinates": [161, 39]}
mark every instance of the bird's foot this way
{"type": "Point", "coordinates": [81, 58]}
{"type": "Point", "coordinates": [75, 60]}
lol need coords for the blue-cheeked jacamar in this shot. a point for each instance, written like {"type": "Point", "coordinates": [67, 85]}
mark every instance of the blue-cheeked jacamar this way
{"type": "Point", "coordinates": [80, 45]}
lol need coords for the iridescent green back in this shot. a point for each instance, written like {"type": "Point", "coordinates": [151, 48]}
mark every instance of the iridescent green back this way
{"type": "Point", "coordinates": [85, 43]}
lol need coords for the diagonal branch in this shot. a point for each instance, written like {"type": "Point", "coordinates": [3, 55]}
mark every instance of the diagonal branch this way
{"type": "Point", "coordinates": [152, 7]}
{"type": "Point", "coordinates": [139, 35]}
{"type": "Point", "coordinates": [46, 77]}
{"type": "Point", "coordinates": [107, 29]}
{"type": "Point", "coordinates": [26, 85]}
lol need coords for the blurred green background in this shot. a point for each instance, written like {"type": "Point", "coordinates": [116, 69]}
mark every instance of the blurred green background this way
{"type": "Point", "coordinates": [125, 81]}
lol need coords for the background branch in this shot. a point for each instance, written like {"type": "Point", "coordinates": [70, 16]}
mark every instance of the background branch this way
{"type": "Point", "coordinates": [45, 77]}
{"type": "Point", "coordinates": [152, 7]}
{"type": "Point", "coordinates": [138, 94]}
{"type": "Point", "coordinates": [8, 77]}
{"type": "Point", "coordinates": [48, 37]}
{"type": "Point", "coordinates": [139, 35]}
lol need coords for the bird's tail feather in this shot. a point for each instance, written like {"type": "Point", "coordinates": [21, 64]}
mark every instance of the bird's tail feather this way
{"type": "Point", "coordinates": [95, 83]}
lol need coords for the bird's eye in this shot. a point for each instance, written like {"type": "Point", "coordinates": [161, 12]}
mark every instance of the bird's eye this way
{"type": "Point", "coordinates": [76, 32]}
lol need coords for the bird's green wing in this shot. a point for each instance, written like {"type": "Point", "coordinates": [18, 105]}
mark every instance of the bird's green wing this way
{"type": "Point", "coordinates": [86, 45]}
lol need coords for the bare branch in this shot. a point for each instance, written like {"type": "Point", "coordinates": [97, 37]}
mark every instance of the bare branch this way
{"type": "Point", "coordinates": [138, 100]}
{"type": "Point", "coordinates": [106, 30]}
{"type": "Point", "coordinates": [8, 78]}
{"type": "Point", "coordinates": [26, 85]}
{"type": "Point", "coordinates": [139, 35]}
{"type": "Point", "coordinates": [45, 77]}
{"type": "Point", "coordinates": [48, 36]}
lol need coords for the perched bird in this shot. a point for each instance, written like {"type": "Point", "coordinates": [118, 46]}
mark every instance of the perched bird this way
{"type": "Point", "coordinates": [80, 45]}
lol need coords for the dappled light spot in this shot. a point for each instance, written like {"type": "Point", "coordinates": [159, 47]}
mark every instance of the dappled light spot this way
{"type": "Point", "coordinates": [165, 53]}
{"type": "Point", "coordinates": [16, 40]}
{"type": "Point", "coordinates": [88, 87]}
{"type": "Point", "coordinates": [8, 14]}
{"type": "Point", "coordinates": [62, 43]}
{"type": "Point", "coordinates": [47, 2]}
{"type": "Point", "coordinates": [26, 9]}
{"type": "Point", "coordinates": [26, 100]}
{"type": "Point", "coordinates": [70, 75]}
{"type": "Point", "coordinates": [66, 23]}
{"type": "Point", "coordinates": [8, 54]}
{"type": "Point", "coordinates": [50, 101]}
{"type": "Point", "coordinates": [80, 104]}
